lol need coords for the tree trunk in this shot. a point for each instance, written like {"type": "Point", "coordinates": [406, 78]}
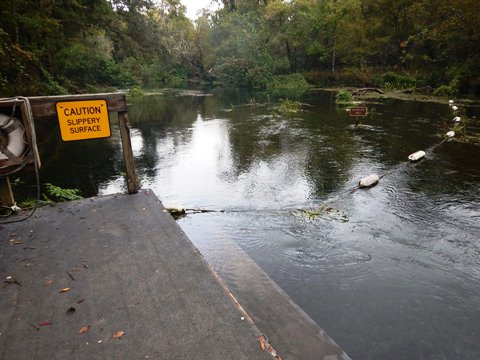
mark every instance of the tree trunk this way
{"type": "Point", "coordinates": [293, 67]}
{"type": "Point", "coordinates": [334, 51]}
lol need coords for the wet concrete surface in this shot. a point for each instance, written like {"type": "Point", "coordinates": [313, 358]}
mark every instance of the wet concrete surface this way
{"type": "Point", "coordinates": [115, 277]}
{"type": "Point", "coordinates": [134, 288]}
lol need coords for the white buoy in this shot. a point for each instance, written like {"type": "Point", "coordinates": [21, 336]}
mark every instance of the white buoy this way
{"type": "Point", "coordinates": [454, 108]}
{"type": "Point", "coordinates": [450, 134]}
{"type": "Point", "coordinates": [457, 119]}
{"type": "Point", "coordinates": [14, 130]}
{"type": "Point", "coordinates": [369, 181]}
{"type": "Point", "coordinates": [416, 155]}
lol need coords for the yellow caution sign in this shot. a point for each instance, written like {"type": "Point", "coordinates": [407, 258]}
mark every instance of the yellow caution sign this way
{"type": "Point", "coordinates": [81, 120]}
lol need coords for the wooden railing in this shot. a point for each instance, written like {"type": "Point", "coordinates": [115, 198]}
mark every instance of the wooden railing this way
{"type": "Point", "coordinates": [45, 106]}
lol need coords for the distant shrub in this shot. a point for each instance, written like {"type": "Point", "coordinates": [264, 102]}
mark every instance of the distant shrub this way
{"type": "Point", "coordinates": [314, 77]}
{"type": "Point", "coordinates": [451, 89]}
{"type": "Point", "coordinates": [287, 105]}
{"type": "Point", "coordinates": [288, 82]}
{"type": "Point", "coordinates": [394, 81]}
{"type": "Point", "coordinates": [242, 73]}
{"type": "Point", "coordinates": [354, 76]}
{"type": "Point", "coordinates": [344, 96]}
{"type": "Point", "coordinates": [135, 93]}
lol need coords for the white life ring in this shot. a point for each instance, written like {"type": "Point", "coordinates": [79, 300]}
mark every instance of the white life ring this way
{"type": "Point", "coordinates": [14, 131]}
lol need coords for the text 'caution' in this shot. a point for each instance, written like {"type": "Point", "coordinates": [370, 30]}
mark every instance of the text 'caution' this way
{"type": "Point", "coordinates": [81, 120]}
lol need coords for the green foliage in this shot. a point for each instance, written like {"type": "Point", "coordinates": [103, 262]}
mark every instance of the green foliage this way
{"type": "Point", "coordinates": [51, 86]}
{"type": "Point", "coordinates": [135, 94]}
{"type": "Point", "coordinates": [344, 96]}
{"type": "Point", "coordinates": [59, 194]}
{"type": "Point", "coordinates": [28, 203]}
{"type": "Point", "coordinates": [80, 64]}
{"type": "Point", "coordinates": [449, 90]}
{"type": "Point", "coordinates": [293, 81]}
{"type": "Point", "coordinates": [86, 45]}
{"type": "Point", "coordinates": [394, 81]}
{"type": "Point", "coordinates": [288, 105]}
{"type": "Point", "coordinates": [242, 73]}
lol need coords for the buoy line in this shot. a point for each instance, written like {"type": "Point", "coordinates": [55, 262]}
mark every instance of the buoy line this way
{"type": "Point", "coordinates": [373, 179]}
{"type": "Point", "coordinates": [366, 182]}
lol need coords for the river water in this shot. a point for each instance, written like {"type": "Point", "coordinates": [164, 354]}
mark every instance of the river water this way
{"type": "Point", "coordinates": [392, 272]}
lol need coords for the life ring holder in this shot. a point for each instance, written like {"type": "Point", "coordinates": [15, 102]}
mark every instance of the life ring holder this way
{"type": "Point", "coordinates": [12, 141]}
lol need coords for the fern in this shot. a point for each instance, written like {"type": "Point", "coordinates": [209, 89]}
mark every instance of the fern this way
{"type": "Point", "coordinates": [61, 194]}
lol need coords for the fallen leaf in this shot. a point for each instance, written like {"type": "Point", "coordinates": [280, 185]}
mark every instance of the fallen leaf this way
{"type": "Point", "coordinates": [84, 329]}
{"type": "Point", "coordinates": [45, 323]}
{"type": "Point", "coordinates": [262, 341]}
{"type": "Point", "coordinates": [15, 242]}
{"type": "Point", "coordinates": [48, 283]}
{"type": "Point", "coordinates": [118, 334]}
{"type": "Point", "coordinates": [64, 290]}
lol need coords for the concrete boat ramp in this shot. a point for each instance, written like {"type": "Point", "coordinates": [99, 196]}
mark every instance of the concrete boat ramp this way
{"type": "Point", "coordinates": [114, 277]}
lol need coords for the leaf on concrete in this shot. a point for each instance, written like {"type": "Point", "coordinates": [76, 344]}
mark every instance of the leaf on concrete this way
{"type": "Point", "coordinates": [118, 334]}
{"type": "Point", "coordinates": [263, 342]}
{"type": "Point", "coordinates": [64, 290]}
{"type": "Point", "coordinates": [84, 329]}
{"type": "Point", "coordinates": [265, 346]}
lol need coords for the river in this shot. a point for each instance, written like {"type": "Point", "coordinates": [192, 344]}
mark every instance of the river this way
{"type": "Point", "coordinates": [392, 272]}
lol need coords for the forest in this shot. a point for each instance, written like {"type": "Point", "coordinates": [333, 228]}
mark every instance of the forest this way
{"type": "Point", "coordinates": [75, 46]}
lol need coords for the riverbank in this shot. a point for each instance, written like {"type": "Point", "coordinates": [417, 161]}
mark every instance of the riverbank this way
{"type": "Point", "coordinates": [408, 95]}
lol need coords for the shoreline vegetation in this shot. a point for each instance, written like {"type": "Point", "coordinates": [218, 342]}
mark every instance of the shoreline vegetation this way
{"type": "Point", "coordinates": [273, 45]}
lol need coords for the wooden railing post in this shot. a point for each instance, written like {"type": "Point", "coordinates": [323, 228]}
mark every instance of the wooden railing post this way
{"type": "Point", "coordinates": [6, 195]}
{"type": "Point", "coordinates": [132, 180]}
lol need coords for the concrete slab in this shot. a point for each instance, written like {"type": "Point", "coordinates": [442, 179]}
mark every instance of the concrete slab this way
{"type": "Point", "coordinates": [293, 334]}
{"type": "Point", "coordinates": [126, 269]}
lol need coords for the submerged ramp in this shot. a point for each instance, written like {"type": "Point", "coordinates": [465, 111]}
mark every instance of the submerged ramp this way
{"type": "Point", "coordinates": [114, 277]}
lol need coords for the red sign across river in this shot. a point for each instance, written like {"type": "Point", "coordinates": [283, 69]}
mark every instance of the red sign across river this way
{"type": "Point", "coordinates": [358, 111]}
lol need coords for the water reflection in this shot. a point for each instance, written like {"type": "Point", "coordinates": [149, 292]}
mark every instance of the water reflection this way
{"type": "Point", "coordinates": [400, 280]}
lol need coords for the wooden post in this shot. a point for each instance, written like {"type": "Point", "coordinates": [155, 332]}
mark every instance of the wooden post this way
{"type": "Point", "coordinates": [6, 195]}
{"type": "Point", "coordinates": [132, 180]}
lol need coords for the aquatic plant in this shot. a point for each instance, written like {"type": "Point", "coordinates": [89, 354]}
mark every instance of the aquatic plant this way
{"type": "Point", "coordinates": [61, 194]}
{"type": "Point", "coordinates": [287, 105]}
{"type": "Point", "coordinates": [323, 211]}
{"type": "Point", "coordinates": [344, 97]}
